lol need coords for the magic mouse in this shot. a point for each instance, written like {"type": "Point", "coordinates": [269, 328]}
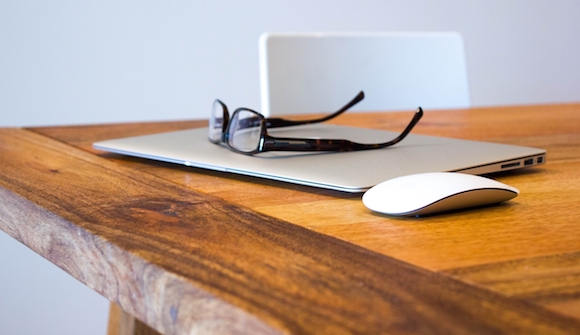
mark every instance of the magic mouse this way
{"type": "Point", "coordinates": [433, 192]}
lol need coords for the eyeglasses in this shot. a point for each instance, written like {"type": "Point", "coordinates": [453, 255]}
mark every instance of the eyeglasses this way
{"type": "Point", "coordinates": [246, 131]}
{"type": "Point", "coordinates": [220, 119]}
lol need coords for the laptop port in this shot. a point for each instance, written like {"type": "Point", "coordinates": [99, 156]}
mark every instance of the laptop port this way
{"type": "Point", "coordinates": [529, 161]}
{"type": "Point", "coordinates": [510, 165]}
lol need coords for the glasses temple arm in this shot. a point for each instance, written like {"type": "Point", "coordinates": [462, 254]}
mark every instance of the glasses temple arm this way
{"type": "Point", "coordinates": [410, 126]}
{"type": "Point", "coordinates": [307, 144]}
{"type": "Point", "coordinates": [279, 122]}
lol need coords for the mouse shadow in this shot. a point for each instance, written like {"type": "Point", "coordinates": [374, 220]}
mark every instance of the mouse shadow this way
{"type": "Point", "coordinates": [443, 214]}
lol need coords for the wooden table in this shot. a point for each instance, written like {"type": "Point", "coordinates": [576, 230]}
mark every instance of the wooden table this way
{"type": "Point", "coordinates": [187, 250]}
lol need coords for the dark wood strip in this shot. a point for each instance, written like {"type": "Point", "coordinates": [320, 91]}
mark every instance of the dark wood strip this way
{"type": "Point", "coordinates": [552, 280]}
{"type": "Point", "coordinates": [182, 261]}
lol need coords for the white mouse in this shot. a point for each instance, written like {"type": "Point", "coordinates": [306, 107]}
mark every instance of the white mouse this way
{"type": "Point", "coordinates": [428, 193]}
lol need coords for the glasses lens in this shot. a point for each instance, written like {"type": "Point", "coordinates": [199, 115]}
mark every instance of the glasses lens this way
{"type": "Point", "coordinates": [244, 131]}
{"type": "Point", "coordinates": [216, 122]}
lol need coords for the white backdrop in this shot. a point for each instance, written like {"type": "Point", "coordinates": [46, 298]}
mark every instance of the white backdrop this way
{"type": "Point", "coordinates": [74, 62]}
{"type": "Point", "coordinates": [71, 62]}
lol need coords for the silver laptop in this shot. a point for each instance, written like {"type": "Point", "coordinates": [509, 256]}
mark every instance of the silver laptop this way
{"type": "Point", "coordinates": [355, 171]}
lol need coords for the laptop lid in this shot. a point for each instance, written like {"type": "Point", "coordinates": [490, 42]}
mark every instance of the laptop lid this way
{"type": "Point", "coordinates": [354, 171]}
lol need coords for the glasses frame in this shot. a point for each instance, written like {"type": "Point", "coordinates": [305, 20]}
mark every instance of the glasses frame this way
{"type": "Point", "coordinates": [271, 143]}
{"type": "Point", "coordinates": [277, 122]}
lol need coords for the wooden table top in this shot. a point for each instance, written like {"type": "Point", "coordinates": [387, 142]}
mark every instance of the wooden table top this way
{"type": "Point", "coordinates": [186, 249]}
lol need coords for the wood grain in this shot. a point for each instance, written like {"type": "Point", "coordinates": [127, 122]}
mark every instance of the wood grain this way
{"type": "Point", "coordinates": [552, 280]}
{"type": "Point", "coordinates": [436, 243]}
{"type": "Point", "coordinates": [265, 257]}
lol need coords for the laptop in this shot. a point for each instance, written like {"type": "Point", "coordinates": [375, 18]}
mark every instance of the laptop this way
{"type": "Point", "coordinates": [353, 172]}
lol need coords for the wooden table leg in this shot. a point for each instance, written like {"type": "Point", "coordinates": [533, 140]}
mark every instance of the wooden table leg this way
{"type": "Point", "coordinates": [123, 323]}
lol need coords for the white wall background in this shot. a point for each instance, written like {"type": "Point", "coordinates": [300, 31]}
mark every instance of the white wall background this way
{"type": "Point", "coordinates": [71, 62]}
{"type": "Point", "coordinates": [74, 62]}
{"type": "Point", "coordinates": [36, 297]}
